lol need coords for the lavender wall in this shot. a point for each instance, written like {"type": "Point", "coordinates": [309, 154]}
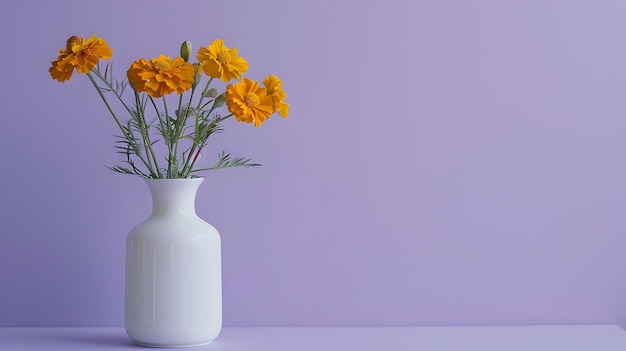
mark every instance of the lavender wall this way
{"type": "Point", "coordinates": [445, 162]}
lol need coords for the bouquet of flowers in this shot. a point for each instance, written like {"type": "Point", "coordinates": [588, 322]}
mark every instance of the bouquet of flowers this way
{"type": "Point", "coordinates": [182, 131]}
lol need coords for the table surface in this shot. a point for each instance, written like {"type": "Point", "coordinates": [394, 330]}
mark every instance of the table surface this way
{"type": "Point", "coordinates": [475, 338]}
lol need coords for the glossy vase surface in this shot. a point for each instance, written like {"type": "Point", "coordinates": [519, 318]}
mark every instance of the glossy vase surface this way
{"type": "Point", "coordinates": [173, 295]}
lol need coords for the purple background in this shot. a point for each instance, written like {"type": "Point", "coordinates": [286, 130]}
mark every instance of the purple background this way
{"type": "Point", "coordinates": [444, 162]}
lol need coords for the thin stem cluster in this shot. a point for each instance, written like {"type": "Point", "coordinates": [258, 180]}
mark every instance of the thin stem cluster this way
{"type": "Point", "coordinates": [184, 131]}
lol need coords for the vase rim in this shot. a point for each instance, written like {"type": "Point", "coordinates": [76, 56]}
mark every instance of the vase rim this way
{"type": "Point", "coordinates": [174, 179]}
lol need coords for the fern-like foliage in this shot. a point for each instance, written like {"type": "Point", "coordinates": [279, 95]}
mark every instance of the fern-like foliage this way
{"type": "Point", "coordinates": [160, 139]}
{"type": "Point", "coordinates": [225, 161]}
{"type": "Point", "coordinates": [194, 124]}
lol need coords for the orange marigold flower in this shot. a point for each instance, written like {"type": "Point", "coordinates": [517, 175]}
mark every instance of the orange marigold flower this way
{"type": "Point", "coordinates": [81, 54]}
{"type": "Point", "coordinates": [161, 75]}
{"type": "Point", "coordinates": [249, 103]}
{"type": "Point", "coordinates": [273, 86]}
{"type": "Point", "coordinates": [221, 62]}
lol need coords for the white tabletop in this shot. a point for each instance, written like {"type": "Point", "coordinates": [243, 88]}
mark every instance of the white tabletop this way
{"type": "Point", "coordinates": [483, 338]}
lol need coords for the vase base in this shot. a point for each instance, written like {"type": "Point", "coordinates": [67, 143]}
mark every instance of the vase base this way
{"type": "Point", "coordinates": [172, 346]}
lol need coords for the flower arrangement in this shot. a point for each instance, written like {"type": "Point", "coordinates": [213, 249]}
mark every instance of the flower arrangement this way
{"type": "Point", "coordinates": [185, 130]}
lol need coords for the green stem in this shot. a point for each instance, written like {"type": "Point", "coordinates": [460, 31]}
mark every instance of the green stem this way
{"type": "Point", "coordinates": [106, 103]}
{"type": "Point", "coordinates": [163, 126]}
{"type": "Point", "coordinates": [126, 134]}
{"type": "Point", "coordinates": [111, 88]}
{"type": "Point", "coordinates": [195, 158]}
{"type": "Point", "coordinates": [183, 170]}
{"type": "Point", "coordinates": [193, 90]}
{"type": "Point", "coordinates": [170, 145]}
{"type": "Point", "coordinates": [226, 117]}
{"type": "Point", "coordinates": [146, 136]}
{"type": "Point", "coordinates": [206, 89]}
{"type": "Point", "coordinates": [181, 120]}
{"type": "Point", "coordinates": [156, 109]}
{"type": "Point", "coordinates": [204, 143]}
{"type": "Point", "coordinates": [208, 102]}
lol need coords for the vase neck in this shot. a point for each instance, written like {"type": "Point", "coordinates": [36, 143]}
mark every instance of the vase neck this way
{"type": "Point", "coordinates": [173, 196]}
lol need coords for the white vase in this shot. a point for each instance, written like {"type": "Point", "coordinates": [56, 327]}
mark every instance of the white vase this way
{"type": "Point", "coordinates": [173, 271]}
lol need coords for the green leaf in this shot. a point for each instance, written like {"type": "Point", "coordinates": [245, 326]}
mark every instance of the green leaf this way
{"type": "Point", "coordinates": [225, 161]}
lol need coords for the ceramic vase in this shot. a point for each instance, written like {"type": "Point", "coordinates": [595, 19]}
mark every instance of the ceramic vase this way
{"type": "Point", "coordinates": [173, 293]}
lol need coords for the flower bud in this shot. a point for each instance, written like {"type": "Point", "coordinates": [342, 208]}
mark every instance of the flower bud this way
{"type": "Point", "coordinates": [197, 74]}
{"type": "Point", "coordinates": [220, 101]}
{"type": "Point", "coordinates": [211, 93]}
{"type": "Point", "coordinates": [73, 40]}
{"type": "Point", "coordinates": [185, 50]}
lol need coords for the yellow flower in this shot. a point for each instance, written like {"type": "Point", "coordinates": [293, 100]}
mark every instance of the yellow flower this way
{"type": "Point", "coordinates": [249, 103]}
{"type": "Point", "coordinates": [80, 54]}
{"type": "Point", "coordinates": [221, 62]}
{"type": "Point", "coordinates": [161, 75]}
{"type": "Point", "coordinates": [273, 86]}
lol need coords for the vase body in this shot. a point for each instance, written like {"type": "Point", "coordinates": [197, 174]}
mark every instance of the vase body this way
{"type": "Point", "coordinates": [173, 295]}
